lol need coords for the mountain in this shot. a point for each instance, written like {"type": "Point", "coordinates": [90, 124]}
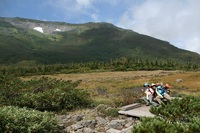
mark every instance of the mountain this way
{"type": "Point", "coordinates": [34, 41]}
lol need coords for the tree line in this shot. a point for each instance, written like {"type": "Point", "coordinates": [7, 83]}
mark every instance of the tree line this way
{"type": "Point", "coordinates": [120, 64]}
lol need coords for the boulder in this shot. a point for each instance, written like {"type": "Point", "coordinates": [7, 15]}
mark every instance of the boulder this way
{"type": "Point", "coordinates": [116, 124]}
{"type": "Point", "coordinates": [78, 117]}
{"type": "Point", "coordinates": [179, 80]}
{"type": "Point", "coordinates": [111, 130]}
{"type": "Point", "coordinates": [101, 121]}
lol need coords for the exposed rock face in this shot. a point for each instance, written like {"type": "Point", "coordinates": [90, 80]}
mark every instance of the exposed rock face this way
{"type": "Point", "coordinates": [92, 121]}
{"type": "Point", "coordinates": [47, 28]}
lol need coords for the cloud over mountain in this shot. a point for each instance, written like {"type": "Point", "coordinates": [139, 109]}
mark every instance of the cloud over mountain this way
{"type": "Point", "coordinates": [176, 21]}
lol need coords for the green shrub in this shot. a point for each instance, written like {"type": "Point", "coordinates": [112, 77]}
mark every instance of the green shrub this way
{"type": "Point", "coordinates": [55, 99]}
{"type": "Point", "coordinates": [113, 112]}
{"type": "Point", "coordinates": [127, 96]}
{"type": "Point", "coordinates": [179, 116]}
{"type": "Point", "coordinates": [14, 119]}
{"type": "Point", "coordinates": [156, 125]}
{"type": "Point", "coordinates": [105, 110]}
{"type": "Point", "coordinates": [43, 94]}
{"type": "Point", "coordinates": [179, 110]}
{"type": "Point", "coordinates": [9, 88]}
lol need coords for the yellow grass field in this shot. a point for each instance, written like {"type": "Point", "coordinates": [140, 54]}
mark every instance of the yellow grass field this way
{"type": "Point", "coordinates": [106, 85]}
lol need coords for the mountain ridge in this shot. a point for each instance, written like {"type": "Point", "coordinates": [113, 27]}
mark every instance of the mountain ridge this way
{"type": "Point", "coordinates": [64, 43]}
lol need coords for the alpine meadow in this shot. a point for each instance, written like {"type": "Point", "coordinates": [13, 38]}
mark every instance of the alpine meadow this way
{"type": "Point", "coordinates": [62, 77]}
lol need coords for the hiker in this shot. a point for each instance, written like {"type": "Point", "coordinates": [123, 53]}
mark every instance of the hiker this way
{"type": "Point", "coordinates": [161, 93]}
{"type": "Point", "coordinates": [149, 95]}
{"type": "Point", "coordinates": [167, 88]}
{"type": "Point", "coordinates": [153, 86]}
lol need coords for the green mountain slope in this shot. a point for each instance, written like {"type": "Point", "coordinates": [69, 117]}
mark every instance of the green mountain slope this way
{"type": "Point", "coordinates": [64, 43]}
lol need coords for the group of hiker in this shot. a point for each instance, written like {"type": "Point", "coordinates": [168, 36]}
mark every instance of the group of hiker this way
{"type": "Point", "coordinates": [155, 93]}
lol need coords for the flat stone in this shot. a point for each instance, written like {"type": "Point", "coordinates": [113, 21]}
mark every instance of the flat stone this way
{"type": "Point", "coordinates": [138, 112]}
{"type": "Point", "coordinates": [88, 123]}
{"type": "Point", "coordinates": [116, 124]}
{"type": "Point", "coordinates": [101, 121]}
{"type": "Point", "coordinates": [76, 126]}
{"type": "Point", "coordinates": [131, 106]}
{"type": "Point", "coordinates": [112, 130]}
{"type": "Point", "coordinates": [88, 130]}
{"type": "Point", "coordinates": [77, 118]}
{"type": "Point", "coordinates": [127, 130]}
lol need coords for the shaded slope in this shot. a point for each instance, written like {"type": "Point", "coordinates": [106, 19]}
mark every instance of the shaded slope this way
{"type": "Point", "coordinates": [80, 43]}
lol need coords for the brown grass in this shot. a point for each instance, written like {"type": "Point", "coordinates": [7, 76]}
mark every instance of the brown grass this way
{"type": "Point", "coordinates": [104, 86]}
{"type": "Point", "coordinates": [190, 84]}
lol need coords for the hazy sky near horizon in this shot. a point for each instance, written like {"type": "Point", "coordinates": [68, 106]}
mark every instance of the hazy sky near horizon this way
{"type": "Point", "coordinates": [175, 21]}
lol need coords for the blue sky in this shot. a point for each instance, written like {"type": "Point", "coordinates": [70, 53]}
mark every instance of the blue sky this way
{"type": "Point", "coordinates": [175, 21]}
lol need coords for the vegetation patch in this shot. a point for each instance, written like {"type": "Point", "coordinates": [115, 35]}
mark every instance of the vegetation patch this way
{"type": "Point", "coordinates": [14, 119]}
{"type": "Point", "coordinates": [105, 110]}
{"type": "Point", "coordinates": [180, 115]}
{"type": "Point", "coordinates": [43, 94]}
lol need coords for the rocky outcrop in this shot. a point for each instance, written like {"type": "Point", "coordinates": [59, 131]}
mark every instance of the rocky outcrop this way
{"type": "Point", "coordinates": [41, 26]}
{"type": "Point", "coordinates": [92, 121]}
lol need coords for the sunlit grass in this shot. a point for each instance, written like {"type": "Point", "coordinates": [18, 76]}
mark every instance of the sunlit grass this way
{"type": "Point", "coordinates": [107, 87]}
{"type": "Point", "coordinates": [189, 86]}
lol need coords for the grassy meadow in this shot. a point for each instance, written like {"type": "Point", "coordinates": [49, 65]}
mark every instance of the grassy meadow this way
{"type": "Point", "coordinates": [73, 93]}
{"type": "Point", "coordinates": [125, 87]}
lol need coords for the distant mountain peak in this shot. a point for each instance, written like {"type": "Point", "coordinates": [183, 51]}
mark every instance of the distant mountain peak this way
{"type": "Point", "coordinates": [41, 26]}
{"type": "Point", "coordinates": [58, 42]}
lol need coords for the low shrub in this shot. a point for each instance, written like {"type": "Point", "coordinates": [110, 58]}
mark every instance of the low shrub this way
{"type": "Point", "coordinates": [55, 100]}
{"type": "Point", "coordinates": [105, 110]}
{"type": "Point", "coordinates": [14, 119]}
{"type": "Point", "coordinates": [113, 112]}
{"type": "Point", "coordinates": [178, 116]}
{"type": "Point", "coordinates": [126, 97]}
{"type": "Point", "coordinates": [43, 94]}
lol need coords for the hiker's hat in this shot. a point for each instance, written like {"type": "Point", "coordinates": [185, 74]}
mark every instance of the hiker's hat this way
{"type": "Point", "coordinates": [146, 84]}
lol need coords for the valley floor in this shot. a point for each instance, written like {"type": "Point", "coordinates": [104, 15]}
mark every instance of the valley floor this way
{"type": "Point", "coordinates": [103, 85]}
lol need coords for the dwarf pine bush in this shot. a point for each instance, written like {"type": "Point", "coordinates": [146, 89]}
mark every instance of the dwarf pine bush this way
{"type": "Point", "coordinates": [43, 94]}
{"type": "Point", "coordinates": [178, 116]}
{"type": "Point", "coordinates": [23, 120]}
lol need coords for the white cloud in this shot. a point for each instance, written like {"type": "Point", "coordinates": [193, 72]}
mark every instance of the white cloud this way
{"type": "Point", "coordinates": [95, 17]}
{"type": "Point", "coordinates": [83, 3]}
{"type": "Point", "coordinates": [176, 21]}
{"type": "Point", "coordinates": [193, 44]}
{"type": "Point", "coordinates": [73, 9]}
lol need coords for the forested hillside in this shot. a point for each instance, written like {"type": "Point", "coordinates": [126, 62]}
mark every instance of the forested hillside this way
{"type": "Point", "coordinates": [25, 41]}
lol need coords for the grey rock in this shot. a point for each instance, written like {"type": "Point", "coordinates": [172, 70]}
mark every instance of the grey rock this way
{"type": "Point", "coordinates": [63, 117]}
{"type": "Point", "coordinates": [76, 127]}
{"type": "Point", "coordinates": [117, 124]}
{"type": "Point", "coordinates": [65, 120]}
{"type": "Point", "coordinates": [77, 117]}
{"type": "Point", "coordinates": [179, 80]}
{"type": "Point", "coordinates": [101, 121]}
{"type": "Point", "coordinates": [48, 28]}
{"type": "Point", "coordinates": [127, 130]}
{"type": "Point", "coordinates": [129, 124]}
{"type": "Point", "coordinates": [67, 123]}
{"type": "Point", "coordinates": [67, 130]}
{"type": "Point", "coordinates": [87, 123]}
{"type": "Point", "coordinates": [113, 131]}
{"type": "Point", "coordinates": [88, 130]}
